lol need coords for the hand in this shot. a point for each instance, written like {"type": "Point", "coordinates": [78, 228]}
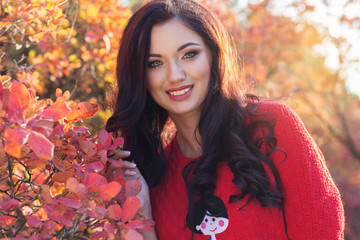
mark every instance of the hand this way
{"type": "Point", "coordinates": [130, 171]}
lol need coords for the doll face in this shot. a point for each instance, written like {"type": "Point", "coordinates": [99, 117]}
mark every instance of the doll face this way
{"type": "Point", "coordinates": [212, 225]}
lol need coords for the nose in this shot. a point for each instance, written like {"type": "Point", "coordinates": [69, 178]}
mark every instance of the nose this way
{"type": "Point", "coordinates": [176, 72]}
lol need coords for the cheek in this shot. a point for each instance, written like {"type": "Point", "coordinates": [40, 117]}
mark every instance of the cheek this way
{"type": "Point", "coordinates": [203, 225]}
{"type": "Point", "coordinates": [221, 223]}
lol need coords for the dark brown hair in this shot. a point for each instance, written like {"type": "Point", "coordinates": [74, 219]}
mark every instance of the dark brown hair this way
{"type": "Point", "coordinates": [225, 133]}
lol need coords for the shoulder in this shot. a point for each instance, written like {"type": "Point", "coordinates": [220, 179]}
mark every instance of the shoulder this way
{"type": "Point", "coordinates": [288, 129]}
{"type": "Point", "coordinates": [285, 119]}
{"type": "Point", "coordinates": [280, 110]}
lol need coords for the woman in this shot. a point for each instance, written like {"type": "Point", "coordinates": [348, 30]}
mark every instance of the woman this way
{"type": "Point", "coordinates": [176, 61]}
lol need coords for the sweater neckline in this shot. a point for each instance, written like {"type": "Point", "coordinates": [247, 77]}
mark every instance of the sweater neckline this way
{"type": "Point", "coordinates": [179, 153]}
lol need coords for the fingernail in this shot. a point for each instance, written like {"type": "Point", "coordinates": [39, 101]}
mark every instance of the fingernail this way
{"type": "Point", "coordinates": [133, 164]}
{"type": "Point", "coordinates": [127, 152]}
{"type": "Point", "coordinates": [129, 172]}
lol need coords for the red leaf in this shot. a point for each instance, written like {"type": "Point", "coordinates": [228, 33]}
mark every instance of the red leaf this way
{"type": "Point", "coordinates": [99, 235]}
{"type": "Point", "coordinates": [81, 130]}
{"type": "Point", "coordinates": [110, 190]}
{"type": "Point", "coordinates": [135, 224]}
{"type": "Point", "coordinates": [41, 146]}
{"type": "Point", "coordinates": [133, 187]}
{"type": "Point", "coordinates": [14, 139]}
{"type": "Point", "coordinates": [56, 111]}
{"type": "Point", "coordinates": [71, 184]}
{"type": "Point", "coordinates": [94, 179]}
{"type": "Point", "coordinates": [104, 139]}
{"type": "Point", "coordinates": [103, 156]}
{"type": "Point", "coordinates": [119, 141]}
{"type": "Point", "coordinates": [63, 220]}
{"type": "Point", "coordinates": [143, 226]}
{"type": "Point", "coordinates": [98, 212]}
{"type": "Point", "coordinates": [109, 228]}
{"type": "Point", "coordinates": [88, 147]}
{"type": "Point", "coordinates": [1, 91]}
{"type": "Point", "coordinates": [95, 166]}
{"type": "Point", "coordinates": [114, 211]}
{"type": "Point", "coordinates": [130, 208]}
{"type": "Point", "coordinates": [70, 202]}
{"type": "Point", "coordinates": [59, 163]}
{"type": "Point", "coordinates": [82, 110]}
{"type": "Point", "coordinates": [131, 234]}
{"type": "Point", "coordinates": [9, 204]}
{"type": "Point", "coordinates": [44, 127]}
{"type": "Point", "coordinates": [69, 150]}
{"type": "Point", "coordinates": [33, 221]}
{"type": "Point", "coordinates": [116, 163]}
{"type": "Point", "coordinates": [148, 226]}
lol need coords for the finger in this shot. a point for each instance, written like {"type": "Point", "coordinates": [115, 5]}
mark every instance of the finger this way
{"type": "Point", "coordinates": [116, 154]}
{"type": "Point", "coordinates": [127, 164]}
{"type": "Point", "coordinates": [129, 172]}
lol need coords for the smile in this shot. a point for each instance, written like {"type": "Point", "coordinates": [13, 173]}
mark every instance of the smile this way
{"type": "Point", "coordinates": [180, 92]}
{"type": "Point", "coordinates": [213, 230]}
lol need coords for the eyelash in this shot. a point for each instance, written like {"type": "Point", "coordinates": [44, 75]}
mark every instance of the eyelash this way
{"type": "Point", "coordinates": [157, 63]}
{"type": "Point", "coordinates": [193, 54]}
{"type": "Point", "coordinates": [152, 64]}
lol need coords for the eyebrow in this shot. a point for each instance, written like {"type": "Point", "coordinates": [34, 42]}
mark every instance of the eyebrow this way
{"type": "Point", "coordinates": [179, 49]}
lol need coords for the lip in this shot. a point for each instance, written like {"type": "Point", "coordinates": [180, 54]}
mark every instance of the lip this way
{"type": "Point", "coordinates": [179, 88]}
{"type": "Point", "coordinates": [180, 97]}
{"type": "Point", "coordinates": [213, 230]}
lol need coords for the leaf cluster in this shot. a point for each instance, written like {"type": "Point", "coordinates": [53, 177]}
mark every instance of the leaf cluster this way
{"type": "Point", "coordinates": [52, 174]}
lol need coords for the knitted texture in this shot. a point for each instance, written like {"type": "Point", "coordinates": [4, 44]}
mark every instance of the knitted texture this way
{"type": "Point", "coordinates": [313, 208]}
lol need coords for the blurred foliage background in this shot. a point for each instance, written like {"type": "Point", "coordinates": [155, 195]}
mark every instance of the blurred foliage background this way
{"type": "Point", "coordinates": [72, 45]}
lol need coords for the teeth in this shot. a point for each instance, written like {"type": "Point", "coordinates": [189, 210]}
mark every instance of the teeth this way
{"type": "Point", "coordinates": [181, 92]}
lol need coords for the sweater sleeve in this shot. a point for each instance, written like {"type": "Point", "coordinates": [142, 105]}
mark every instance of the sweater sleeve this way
{"type": "Point", "coordinates": [313, 207]}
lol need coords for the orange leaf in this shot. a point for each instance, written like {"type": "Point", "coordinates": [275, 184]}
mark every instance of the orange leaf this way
{"type": "Point", "coordinates": [110, 190]}
{"type": "Point", "coordinates": [56, 111]}
{"type": "Point", "coordinates": [82, 110]}
{"type": "Point", "coordinates": [130, 208]}
{"type": "Point", "coordinates": [41, 146]}
{"type": "Point", "coordinates": [62, 177]}
{"type": "Point", "coordinates": [46, 193]}
{"type": "Point", "coordinates": [14, 139]}
{"type": "Point", "coordinates": [19, 96]}
{"type": "Point", "coordinates": [3, 159]}
{"type": "Point", "coordinates": [114, 211]}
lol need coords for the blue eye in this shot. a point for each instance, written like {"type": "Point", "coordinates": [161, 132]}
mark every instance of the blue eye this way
{"type": "Point", "coordinates": [190, 54]}
{"type": "Point", "coordinates": [154, 64]}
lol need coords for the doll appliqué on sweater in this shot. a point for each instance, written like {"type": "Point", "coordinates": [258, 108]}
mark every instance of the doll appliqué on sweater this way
{"type": "Point", "coordinates": [211, 217]}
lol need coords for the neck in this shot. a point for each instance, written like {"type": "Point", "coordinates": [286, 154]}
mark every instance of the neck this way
{"type": "Point", "coordinates": [188, 137]}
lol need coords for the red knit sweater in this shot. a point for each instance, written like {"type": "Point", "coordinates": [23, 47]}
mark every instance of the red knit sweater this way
{"type": "Point", "coordinates": [313, 208]}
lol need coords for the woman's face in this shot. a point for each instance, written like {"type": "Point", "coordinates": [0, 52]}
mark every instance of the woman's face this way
{"type": "Point", "coordinates": [179, 67]}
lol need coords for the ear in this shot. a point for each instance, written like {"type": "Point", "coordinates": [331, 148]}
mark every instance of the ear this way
{"type": "Point", "coordinates": [198, 227]}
